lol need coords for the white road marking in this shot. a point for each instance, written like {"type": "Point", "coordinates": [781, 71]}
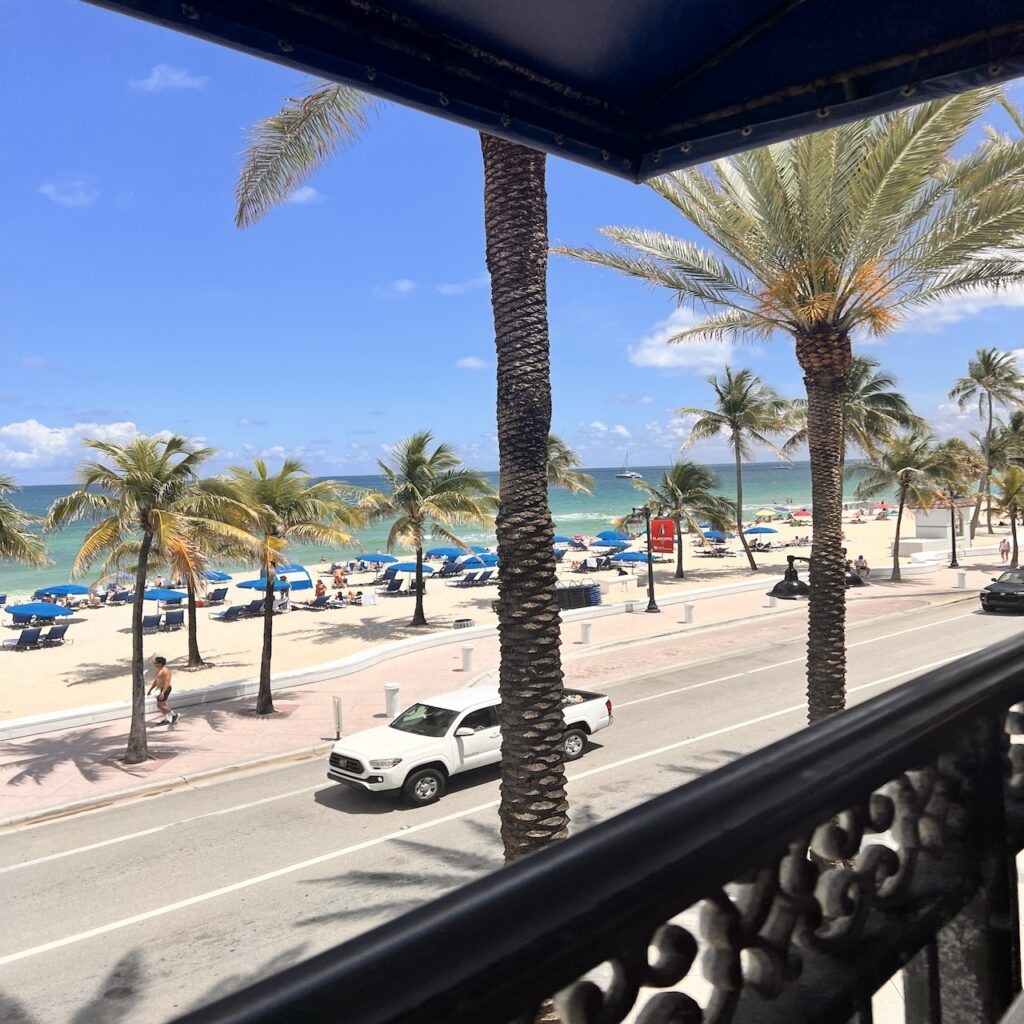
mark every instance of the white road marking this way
{"type": "Point", "coordinates": [268, 876]}
{"type": "Point", "coordinates": [681, 689]}
{"type": "Point", "coordinates": [160, 828]}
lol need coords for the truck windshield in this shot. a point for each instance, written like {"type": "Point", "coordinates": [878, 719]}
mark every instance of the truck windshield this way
{"type": "Point", "coordinates": [424, 720]}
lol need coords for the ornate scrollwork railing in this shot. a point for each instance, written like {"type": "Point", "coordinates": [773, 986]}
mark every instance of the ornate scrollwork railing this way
{"type": "Point", "coordinates": [787, 886]}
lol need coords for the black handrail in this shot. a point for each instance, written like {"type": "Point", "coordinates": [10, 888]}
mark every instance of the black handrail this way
{"type": "Point", "coordinates": [489, 951]}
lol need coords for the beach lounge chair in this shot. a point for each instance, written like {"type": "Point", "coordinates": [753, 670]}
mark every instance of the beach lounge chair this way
{"type": "Point", "coordinates": [217, 596]}
{"type": "Point", "coordinates": [385, 577]}
{"type": "Point", "coordinates": [393, 587]}
{"type": "Point", "coordinates": [27, 641]}
{"type": "Point", "coordinates": [467, 581]}
{"type": "Point", "coordinates": [448, 569]}
{"type": "Point", "coordinates": [318, 604]}
{"type": "Point", "coordinates": [3, 600]}
{"type": "Point", "coordinates": [20, 620]}
{"type": "Point", "coordinates": [150, 623]}
{"type": "Point", "coordinates": [174, 620]}
{"type": "Point", "coordinates": [577, 545]}
{"type": "Point", "coordinates": [232, 614]}
{"type": "Point", "coordinates": [54, 635]}
{"type": "Point", "coordinates": [118, 597]}
{"type": "Point", "coordinates": [254, 607]}
{"type": "Point", "coordinates": [485, 577]}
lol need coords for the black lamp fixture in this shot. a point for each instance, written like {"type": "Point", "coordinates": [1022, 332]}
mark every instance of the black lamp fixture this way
{"type": "Point", "coordinates": [652, 605]}
{"type": "Point", "coordinates": [953, 563]}
{"type": "Point", "coordinates": [791, 587]}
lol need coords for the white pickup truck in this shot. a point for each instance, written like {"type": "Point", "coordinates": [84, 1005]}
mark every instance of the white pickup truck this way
{"type": "Point", "coordinates": [443, 736]}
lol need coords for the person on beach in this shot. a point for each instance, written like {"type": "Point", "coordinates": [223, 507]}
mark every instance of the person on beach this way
{"type": "Point", "coordinates": [321, 588]}
{"type": "Point", "coordinates": [339, 577]}
{"type": "Point", "coordinates": [283, 603]}
{"type": "Point", "coordinates": [163, 682]}
{"type": "Point", "coordinates": [862, 567]}
{"type": "Point", "coordinates": [1004, 550]}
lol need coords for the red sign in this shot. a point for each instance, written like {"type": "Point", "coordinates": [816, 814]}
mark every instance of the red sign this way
{"type": "Point", "coordinates": [662, 534]}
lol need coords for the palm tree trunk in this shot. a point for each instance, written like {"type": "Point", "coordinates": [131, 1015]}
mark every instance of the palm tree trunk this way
{"type": "Point", "coordinates": [679, 550]}
{"type": "Point", "coordinates": [533, 810]}
{"type": "Point", "coordinates": [195, 659]}
{"type": "Point", "coordinates": [825, 359]}
{"type": "Point", "coordinates": [418, 618]}
{"type": "Point", "coordinates": [264, 698]}
{"type": "Point", "coordinates": [895, 577]}
{"type": "Point", "coordinates": [1015, 554]}
{"type": "Point", "coordinates": [138, 750]}
{"type": "Point", "coordinates": [739, 507]}
{"type": "Point", "coordinates": [988, 467]}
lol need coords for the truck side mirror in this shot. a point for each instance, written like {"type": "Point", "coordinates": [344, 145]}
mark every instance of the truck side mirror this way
{"type": "Point", "coordinates": [463, 732]}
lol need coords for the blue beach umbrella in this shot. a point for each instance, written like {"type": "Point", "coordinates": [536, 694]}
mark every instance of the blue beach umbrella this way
{"type": "Point", "coordinates": [760, 529]}
{"type": "Point", "coordinates": [630, 556]}
{"type": "Point", "coordinates": [62, 590]}
{"type": "Point", "coordinates": [38, 609]}
{"type": "Point", "coordinates": [261, 584]}
{"type": "Point", "coordinates": [377, 558]}
{"type": "Point", "coordinates": [562, 540]}
{"type": "Point", "coordinates": [615, 535]}
{"type": "Point", "coordinates": [445, 553]}
{"type": "Point", "coordinates": [718, 535]}
{"type": "Point", "coordinates": [484, 561]}
{"type": "Point", "coordinates": [409, 567]}
{"type": "Point", "coordinates": [160, 594]}
{"type": "Point", "coordinates": [213, 576]}
{"type": "Point", "coordinates": [479, 550]}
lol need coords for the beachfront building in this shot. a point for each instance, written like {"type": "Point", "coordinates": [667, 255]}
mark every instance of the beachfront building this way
{"type": "Point", "coordinates": [910, 804]}
{"type": "Point", "coordinates": [935, 526]}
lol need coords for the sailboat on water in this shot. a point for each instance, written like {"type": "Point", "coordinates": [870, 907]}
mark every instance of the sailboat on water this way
{"type": "Point", "coordinates": [627, 473]}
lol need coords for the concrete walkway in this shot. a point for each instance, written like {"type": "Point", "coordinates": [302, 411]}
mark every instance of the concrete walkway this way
{"type": "Point", "coordinates": [55, 773]}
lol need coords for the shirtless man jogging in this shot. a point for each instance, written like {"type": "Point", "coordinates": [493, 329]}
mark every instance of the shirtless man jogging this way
{"type": "Point", "coordinates": [163, 681]}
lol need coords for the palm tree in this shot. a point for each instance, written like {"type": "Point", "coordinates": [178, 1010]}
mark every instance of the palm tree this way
{"type": "Point", "coordinates": [289, 505]}
{"type": "Point", "coordinates": [910, 466]}
{"type": "Point", "coordinates": [1010, 499]}
{"type": "Point", "coordinates": [992, 378]}
{"type": "Point", "coordinates": [284, 150]}
{"type": "Point", "coordinates": [684, 495]}
{"type": "Point", "coordinates": [746, 410]}
{"type": "Point", "coordinates": [819, 238]}
{"type": "Point", "coordinates": [563, 469]}
{"type": "Point", "coordinates": [873, 410]}
{"type": "Point", "coordinates": [428, 490]}
{"type": "Point", "coordinates": [18, 543]}
{"type": "Point", "coordinates": [133, 494]}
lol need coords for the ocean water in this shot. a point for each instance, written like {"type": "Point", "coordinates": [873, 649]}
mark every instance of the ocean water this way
{"type": "Point", "coordinates": [764, 483]}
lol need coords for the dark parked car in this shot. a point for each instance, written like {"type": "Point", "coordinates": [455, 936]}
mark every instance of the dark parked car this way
{"type": "Point", "coordinates": [1005, 592]}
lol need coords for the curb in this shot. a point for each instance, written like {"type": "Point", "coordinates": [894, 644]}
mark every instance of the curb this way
{"type": "Point", "coordinates": [145, 789]}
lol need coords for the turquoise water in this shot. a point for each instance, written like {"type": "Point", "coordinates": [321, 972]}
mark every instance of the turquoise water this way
{"type": "Point", "coordinates": [763, 483]}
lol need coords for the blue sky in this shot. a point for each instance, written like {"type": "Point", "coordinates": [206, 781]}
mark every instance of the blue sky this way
{"type": "Point", "coordinates": [345, 320]}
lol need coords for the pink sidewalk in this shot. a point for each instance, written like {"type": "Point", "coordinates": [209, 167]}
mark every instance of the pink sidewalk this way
{"type": "Point", "coordinates": [39, 774]}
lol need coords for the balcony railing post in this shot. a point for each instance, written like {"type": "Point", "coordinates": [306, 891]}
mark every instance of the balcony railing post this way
{"type": "Point", "coordinates": [921, 987]}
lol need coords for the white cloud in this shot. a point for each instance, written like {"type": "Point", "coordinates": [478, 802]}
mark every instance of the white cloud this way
{"type": "Point", "coordinates": [70, 191]}
{"type": "Point", "coordinates": [470, 363]}
{"type": "Point", "coordinates": [164, 76]}
{"type": "Point", "coordinates": [675, 430]}
{"type": "Point", "coordinates": [693, 356]}
{"type": "Point", "coordinates": [955, 308]}
{"type": "Point", "coordinates": [598, 426]}
{"type": "Point", "coordinates": [461, 287]}
{"type": "Point", "coordinates": [620, 431]}
{"type": "Point", "coordinates": [304, 195]}
{"type": "Point", "coordinates": [33, 445]}
{"type": "Point", "coordinates": [398, 287]}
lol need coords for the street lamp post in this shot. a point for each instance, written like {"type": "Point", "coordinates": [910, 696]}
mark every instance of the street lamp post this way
{"type": "Point", "coordinates": [953, 563]}
{"type": "Point", "coordinates": [652, 605]}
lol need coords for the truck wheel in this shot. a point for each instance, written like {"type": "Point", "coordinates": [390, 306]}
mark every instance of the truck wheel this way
{"type": "Point", "coordinates": [424, 786]}
{"type": "Point", "coordinates": [574, 744]}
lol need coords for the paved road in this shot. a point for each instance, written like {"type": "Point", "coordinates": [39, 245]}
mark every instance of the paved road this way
{"type": "Point", "coordinates": [138, 912]}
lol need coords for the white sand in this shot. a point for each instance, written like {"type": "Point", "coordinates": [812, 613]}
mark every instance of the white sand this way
{"type": "Point", "coordinates": [95, 668]}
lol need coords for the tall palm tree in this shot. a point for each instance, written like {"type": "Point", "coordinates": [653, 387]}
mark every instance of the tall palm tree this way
{"type": "Point", "coordinates": [563, 468]}
{"type": "Point", "coordinates": [746, 410]}
{"type": "Point", "coordinates": [873, 410]}
{"type": "Point", "coordinates": [910, 467]}
{"type": "Point", "coordinates": [18, 542]}
{"type": "Point", "coordinates": [284, 150]}
{"type": "Point", "coordinates": [685, 495]}
{"type": "Point", "coordinates": [132, 495]}
{"type": "Point", "coordinates": [993, 377]}
{"type": "Point", "coordinates": [1009, 496]}
{"type": "Point", "coordinates": [819, 238]}
{"type": "Point", "coordinates": [428, 491]}
{"type": "Point", "coordinates": [289, 505]}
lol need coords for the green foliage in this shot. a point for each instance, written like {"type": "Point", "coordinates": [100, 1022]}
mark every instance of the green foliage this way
{"type": "Point", "coordinates": [563, 469]}
{"type": "Point", "coordinates": [991, 376]}
{"type": "Point", "coordinates": [18, 542]}
{"type": "Point", "coordinates": [910, 468]}
{"type": "Point", "coordinates": [686, 493]}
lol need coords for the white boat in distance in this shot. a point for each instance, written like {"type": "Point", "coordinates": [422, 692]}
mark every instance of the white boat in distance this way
{"type": "Point", "coordinates": [627, 473]}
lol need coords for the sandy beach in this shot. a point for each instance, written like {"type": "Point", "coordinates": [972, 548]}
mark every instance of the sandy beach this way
{"type": "Point", "coordinates": [95, 668]}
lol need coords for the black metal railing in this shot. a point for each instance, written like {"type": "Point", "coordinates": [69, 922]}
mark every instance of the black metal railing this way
{"type": "Point", "coordinates": [880, 840]}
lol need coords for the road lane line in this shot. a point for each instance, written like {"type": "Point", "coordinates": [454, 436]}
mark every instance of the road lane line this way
{"type": "Point", "coordinates": [161, 828]}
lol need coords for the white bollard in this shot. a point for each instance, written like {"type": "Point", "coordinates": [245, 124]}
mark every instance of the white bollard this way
{"type": "Point", "coordinates": [687, 613]}
{"type": "Point", "coordinates": [585, 632]}
{"type": "Point", "coordinates": [772, 600]}
{"type": "Point", "coordinates": [337, 717]}
{"type": "Point", "coordinates": [961, 580]}
{"type": "Point", "coordinates": [391, 699]}
{"type": "Point", "coordinates": [467, 657]}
